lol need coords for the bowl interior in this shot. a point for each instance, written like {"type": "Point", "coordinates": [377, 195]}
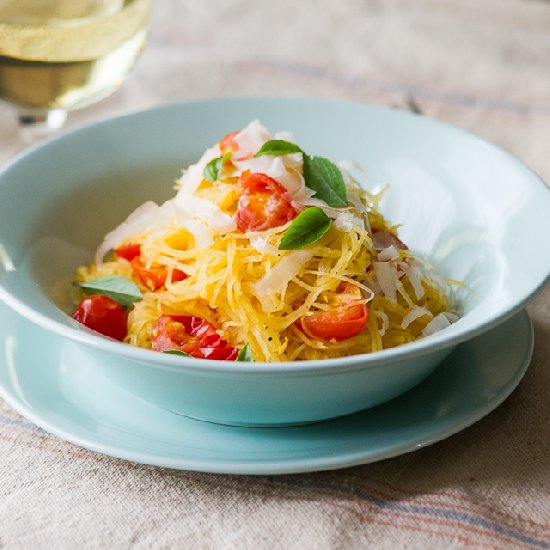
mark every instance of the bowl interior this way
{"type": "Point", "coordinates": [477, 213]}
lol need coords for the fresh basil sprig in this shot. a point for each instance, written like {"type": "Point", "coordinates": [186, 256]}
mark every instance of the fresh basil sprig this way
{"type": "Point", "coordinates": [213, 169]}
{"type": "Point", "coordinates": [119, 288]}
{"type": "Point", "coordinates": [245, 354]}
{"type": "Point", "coordinates": [277, 147]}
{"type": "Point", "coordinates": [177, 352]}
{"type": "Point", "coordinates": [308, 227]}
{"type": "Point", "coordinates": [325, 178]}
{"type": "Point", "coordinates": [320, 174]}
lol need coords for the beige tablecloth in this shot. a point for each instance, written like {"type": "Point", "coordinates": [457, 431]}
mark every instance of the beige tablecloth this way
{"type": "Point", "coordinates": [481, 64]}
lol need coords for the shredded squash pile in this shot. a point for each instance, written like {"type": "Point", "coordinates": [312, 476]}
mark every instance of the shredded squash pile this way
{"type": "Point", "coordinates": [345, 285]}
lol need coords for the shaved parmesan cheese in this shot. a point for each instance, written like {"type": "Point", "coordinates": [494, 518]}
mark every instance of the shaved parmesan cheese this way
{"type": "Point", "coordinates": [207, 212]}
{"type": "Point", "coordinates": [439, 322]}
{"type": "Point", "coordinates": [295, 184]}
{"type": "Point", "coordinates": [171, 212]}
{"type": "Point", "coordinates": [261, 245]}
{"type": "Point", "coordinates": [386, 275]}
{"type": "Point", "coordinates": [265, 164]}
{"type": "Point", "coordinates": [144, 216]}
{"type": "Point", "coordinates": [451, 317]}
{"type": "Point", "coordinates": [413, 273]}
{"type": "Point", "coordinates": [343, 220]}
{"type": "Point", "coordinates": [358, 204]}
{"type": "Point", "coordinates": [278, 277]}
{"type": "Point", "coordinates": [389, 253]}
{"type": "Point", "coordinates": [250, 139]}
{"type": "Point", "coordinates": [193, 176]}
{"type": "Point", "coordinates": [346, 221]}
{"type": "Point", "coordinates": [361, 210]}
{"type": "Point", "coordinates": [293, 160]}
{"type": "Point", "coordinates": [150, 215]}
{"type": "Point", "coordinates": [414, 314]}
{"type": "Point", "coordinates": [274, 167]}
{"type": "Point", "coordinates": [203, 237]}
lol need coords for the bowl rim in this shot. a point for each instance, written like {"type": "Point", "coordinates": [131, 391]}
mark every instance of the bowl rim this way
{"type": "Point", "coordinates": [424, 346]}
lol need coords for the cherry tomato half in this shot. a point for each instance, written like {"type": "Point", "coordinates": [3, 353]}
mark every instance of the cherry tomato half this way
{"type": "Point", "coordinates": [347, 319]}
{"type": "Point", "coordinates": [191, 335]}
{"type": "Point", "coordinates": [154, 277]}
{"type": "Point", "coordinates": [226, 353]}
{"type": "Point", "coordinates": [102, 314]}
{"type": "Point", "coordinates": [128, 251]}
{"type": "Point", "coordinates": [264, 204]}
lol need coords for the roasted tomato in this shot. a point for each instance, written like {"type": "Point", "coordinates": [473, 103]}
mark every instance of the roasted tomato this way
{"type": "Point", "coordinates": [227, 143]}
{"type": "Point", "coordinates": [128, 251]}
{"type": "Point", "coordinates": [102, 314]}
{"type": "Point", "coordinates": [382, 238]}
{"type": "Point", "coordinates": [154, 277]}
{"type": "Point", "coordinates": [346, 319]}
{"type": "Point", "coordinates": [191, 335]}
{"type": "Point", "coordinates": [264, 204]}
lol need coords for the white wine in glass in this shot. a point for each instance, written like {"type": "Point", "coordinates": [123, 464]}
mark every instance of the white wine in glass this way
{"type": "Point", "coordinates": [60, 55]}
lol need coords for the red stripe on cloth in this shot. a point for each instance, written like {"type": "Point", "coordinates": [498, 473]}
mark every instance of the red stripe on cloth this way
{"type": "Point", "coordinates": [455, 525]}
{"type": "Point", "coordinates": [456, 497]}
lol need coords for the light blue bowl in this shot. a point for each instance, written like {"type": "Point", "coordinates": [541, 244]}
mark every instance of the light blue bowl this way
{"type": "Point", "coordinates": [479, 215]}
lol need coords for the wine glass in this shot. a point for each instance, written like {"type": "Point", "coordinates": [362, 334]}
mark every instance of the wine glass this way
{"type": "Point", "coordinates": [61, 55]}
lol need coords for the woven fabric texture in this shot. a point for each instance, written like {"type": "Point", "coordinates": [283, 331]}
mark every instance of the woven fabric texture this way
{"type": "Point", "coordinates": [483, 65]}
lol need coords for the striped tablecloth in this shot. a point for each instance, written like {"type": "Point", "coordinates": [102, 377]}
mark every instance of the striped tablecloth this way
{"type": "Point", "coordinates": [480, 64]}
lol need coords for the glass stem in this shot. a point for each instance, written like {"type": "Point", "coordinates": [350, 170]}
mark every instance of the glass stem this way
{"type": "Point", "coordinates": [37, 125]}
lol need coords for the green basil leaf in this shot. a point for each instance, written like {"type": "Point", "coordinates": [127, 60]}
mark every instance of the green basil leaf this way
{"type": "Point", "coordinates": [121, 289]}
{"type": "Point", "coordinates": [177, 352]}
{"type": "Point", "coordinates": [277, 147]}
{"type": "Point", "coordinates": [213, 169]}
{"type": "Point", "coordinates": [245, 354]}
{"type": "Point", "coordinates": [325, 178]}
{"type": "Point", "coordinates": [308, 227]}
